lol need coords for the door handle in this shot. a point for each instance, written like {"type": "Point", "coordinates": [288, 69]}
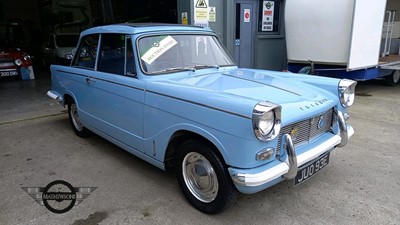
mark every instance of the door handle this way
{"type": "Point", "coordinates": [89, 80]}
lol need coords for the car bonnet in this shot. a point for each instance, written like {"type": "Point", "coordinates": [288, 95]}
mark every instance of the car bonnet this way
{"type": "Point", "coordinates": [239, 90]}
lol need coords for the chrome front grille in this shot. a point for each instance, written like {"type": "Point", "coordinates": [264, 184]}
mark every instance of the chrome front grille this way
{"type": "Point", "coordinates": [306, 130]}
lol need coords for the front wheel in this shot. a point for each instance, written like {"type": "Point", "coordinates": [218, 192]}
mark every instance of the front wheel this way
{"type": "Point", "coordinates": [74, 118]}
{"type": "Point", "coordinates": [393, 79]}
{"type": "Point", "coordinates": [203, 178]}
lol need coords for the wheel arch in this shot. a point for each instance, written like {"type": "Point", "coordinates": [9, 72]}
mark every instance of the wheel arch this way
{"type": "Point", "coordinates": [179, 137]}
{"type": "Point", "coordinates": [68, 98]}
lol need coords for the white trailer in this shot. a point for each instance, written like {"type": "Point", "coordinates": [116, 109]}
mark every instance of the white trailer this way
{"type": "Point", "coordinates": [339, 38]}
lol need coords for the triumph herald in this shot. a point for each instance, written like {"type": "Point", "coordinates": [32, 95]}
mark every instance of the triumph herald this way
{"type": "Point", "coordinates": [172, 96]}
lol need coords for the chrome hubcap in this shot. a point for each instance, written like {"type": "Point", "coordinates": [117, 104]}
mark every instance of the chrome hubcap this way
{"type": "Point", "coordinates": [75, 118]}
{"type": "Point", "coordinates": [200, 177]}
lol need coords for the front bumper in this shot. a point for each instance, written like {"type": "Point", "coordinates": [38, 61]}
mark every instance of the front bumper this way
{"type": "Point", "coordinates": [254, 180]}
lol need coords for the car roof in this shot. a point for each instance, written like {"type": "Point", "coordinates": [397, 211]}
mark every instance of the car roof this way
{"type": "Point", "coordinates": [137, 28]}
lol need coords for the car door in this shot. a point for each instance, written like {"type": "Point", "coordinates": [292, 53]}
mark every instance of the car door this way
{"type": "Point", "coordinates": [113, 101]}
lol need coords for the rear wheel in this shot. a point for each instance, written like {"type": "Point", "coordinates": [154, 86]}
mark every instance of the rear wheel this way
{"type": "Point", "coordinates": [74, 118]}
{"type": "Point", "coordinates": [203, 178]}
{"type": "Point", "coordinates": [393, 79]}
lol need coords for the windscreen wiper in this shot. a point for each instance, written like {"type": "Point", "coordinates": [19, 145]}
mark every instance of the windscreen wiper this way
{"type": "Point", "coordinates": [175, 69]}
{"type": "Point", "coordinates": [206, 66]}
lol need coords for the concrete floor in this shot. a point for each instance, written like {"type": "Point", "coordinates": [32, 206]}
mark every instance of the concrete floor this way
{"type": "Point", "coordinates": [361, 184]}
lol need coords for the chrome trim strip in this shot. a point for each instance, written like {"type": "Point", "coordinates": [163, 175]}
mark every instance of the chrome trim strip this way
{"type": "Point", "coordinates": [200, 104]}
{"type": "Point", "coordinates": [105, 80]}
{"type": "Point", "coordinates": [257, 179]}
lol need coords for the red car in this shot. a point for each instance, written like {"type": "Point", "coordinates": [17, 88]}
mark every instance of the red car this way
{"type": "Point", "coordinates": [15, 62]}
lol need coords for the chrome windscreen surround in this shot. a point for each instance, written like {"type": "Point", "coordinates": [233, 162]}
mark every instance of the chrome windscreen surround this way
{"type": "Point", "coordinates": [258, 112]}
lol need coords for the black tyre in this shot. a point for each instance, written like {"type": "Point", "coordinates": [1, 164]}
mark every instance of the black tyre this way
{"type": "Point", "coordinates": [393, 79]}
{"type": "Point", "coordinates": [77, 126]}
{"type": "Point", "coordinates": [203, 178]}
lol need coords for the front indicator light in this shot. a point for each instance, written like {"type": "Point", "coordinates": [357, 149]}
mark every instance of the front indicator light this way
{"type": "Point", "coordinates": [265, 154]}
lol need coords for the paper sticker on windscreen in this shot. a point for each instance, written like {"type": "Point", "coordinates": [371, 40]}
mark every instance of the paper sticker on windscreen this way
{"type": "Point", "coordinates": [158, 49]}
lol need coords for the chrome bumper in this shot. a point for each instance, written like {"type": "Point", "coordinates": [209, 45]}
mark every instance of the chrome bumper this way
{"type": "Point", "coordinates": [288, 169]}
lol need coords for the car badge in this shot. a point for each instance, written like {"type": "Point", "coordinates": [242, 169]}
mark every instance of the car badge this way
{"type": "Point", "coordinates": [321, 122]}
{"type": "Point", "coordinates": [294, 132]}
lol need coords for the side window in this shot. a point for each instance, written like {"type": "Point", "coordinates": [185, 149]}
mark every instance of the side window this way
{"type": "Point", "coordinates": [87, 51]}
{"type": "Point", "coordinates": [112, 54]}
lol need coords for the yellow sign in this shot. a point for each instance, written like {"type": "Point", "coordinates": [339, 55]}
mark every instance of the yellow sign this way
{"type": "Point", "coordinates": [201, 4]}
{"type": "Point", "coordinates": [201, 13]}
{"type": "Point", "coordinates": [184, 18]}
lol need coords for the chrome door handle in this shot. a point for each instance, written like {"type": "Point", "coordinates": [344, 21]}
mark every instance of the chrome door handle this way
{"type": "Point", "coordinates": [89, 80]}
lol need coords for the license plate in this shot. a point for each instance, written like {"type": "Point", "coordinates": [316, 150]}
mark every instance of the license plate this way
{"type": "Point", "coordinates": [8, 73]}
{"type": "Point", "coordinates": [310, 170]}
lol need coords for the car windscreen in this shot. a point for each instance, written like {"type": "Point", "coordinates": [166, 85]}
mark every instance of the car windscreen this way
{"type": "Point", "coordinates": [67, 40]}
{"type": "Point", "coordinates": [173, 53]}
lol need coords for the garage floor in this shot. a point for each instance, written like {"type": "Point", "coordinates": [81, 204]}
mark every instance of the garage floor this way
{"type": "Point", "coordinates": [361, 184]}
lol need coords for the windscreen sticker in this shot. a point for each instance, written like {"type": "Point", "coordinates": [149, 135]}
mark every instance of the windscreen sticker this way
{"type": "Point", "coordinates": [158, 49]}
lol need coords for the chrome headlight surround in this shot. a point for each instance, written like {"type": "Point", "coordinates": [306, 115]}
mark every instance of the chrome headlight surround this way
{"type": "Point", "coordinates": [346, 91]}
{"type": "Point", "coordinates": [266, 120]}
{"type": "Point", "coordinates": [18, 62]}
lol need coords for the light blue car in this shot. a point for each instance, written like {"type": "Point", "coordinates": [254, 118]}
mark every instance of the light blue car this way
{"type": "Point", "coordinates": [172, 96]}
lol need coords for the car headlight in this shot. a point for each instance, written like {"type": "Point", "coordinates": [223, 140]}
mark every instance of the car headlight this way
{"type": "Point", "coordinates": [18, 62]}
{"type": "Point", "coordinates": [266, 120]}
{"type": "Point", "coordinates": [347, 92]}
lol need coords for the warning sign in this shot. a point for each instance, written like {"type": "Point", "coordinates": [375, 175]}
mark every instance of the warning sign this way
{"type": "Point", "coordinates": [201, 13]}
{"type": "Point", "coordinates": [184, 18]}
{"type": "Point", "coordinates": [201, 4]}
{"type": "Point", "coordinates": [246, 16]}
{"type": "Point", "coordinates": [212, 15]}
{"type": "Point", "coordinates": [268, 16]}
